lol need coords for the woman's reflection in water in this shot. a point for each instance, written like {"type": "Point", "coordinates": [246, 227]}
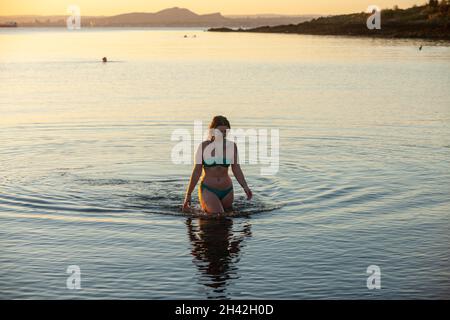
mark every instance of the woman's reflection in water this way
{"type": "Point", "coordinates": [216, 249]}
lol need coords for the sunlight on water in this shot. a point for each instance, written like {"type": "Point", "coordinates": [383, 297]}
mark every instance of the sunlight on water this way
{"type": "Point", "coordinates": [87, 179]}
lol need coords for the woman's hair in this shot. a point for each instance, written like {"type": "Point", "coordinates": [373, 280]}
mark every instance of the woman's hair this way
{"type": "Point", "coordinates": [218, 121]}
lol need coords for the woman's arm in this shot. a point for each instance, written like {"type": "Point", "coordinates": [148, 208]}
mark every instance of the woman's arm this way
{"type": "Point", "coordinates": [196, 173]}
{"type": "Point", "coordinates": [237, 172]}
{"type": "Point", "coordinates": [195, 176]}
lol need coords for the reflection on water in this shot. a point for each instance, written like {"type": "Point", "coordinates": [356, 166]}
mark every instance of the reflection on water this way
{"type": "Point", "coordinates": [216, 249]}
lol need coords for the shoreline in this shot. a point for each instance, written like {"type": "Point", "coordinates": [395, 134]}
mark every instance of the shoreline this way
{"type": "Point", "coordinates": [445, 38]}
{"type": "Point", "coordinates": [427, 22]}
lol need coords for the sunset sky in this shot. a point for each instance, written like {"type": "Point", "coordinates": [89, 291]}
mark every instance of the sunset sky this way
{"type": "Point", "coordinates": [111, 7]}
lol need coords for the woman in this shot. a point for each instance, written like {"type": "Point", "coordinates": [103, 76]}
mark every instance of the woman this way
{"type": "Point", "coordinates": [214, 157]}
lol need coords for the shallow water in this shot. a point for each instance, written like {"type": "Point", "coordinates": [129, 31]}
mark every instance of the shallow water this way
{"type": "Point", "coordinates": [87, 179]}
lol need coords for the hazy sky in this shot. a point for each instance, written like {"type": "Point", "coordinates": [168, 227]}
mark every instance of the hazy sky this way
{"type": "Point", "coordinates": [109, 7]}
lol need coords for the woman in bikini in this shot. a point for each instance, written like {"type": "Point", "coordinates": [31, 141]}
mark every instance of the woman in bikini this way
{"type": "Point", "coordinates": [213, 158]}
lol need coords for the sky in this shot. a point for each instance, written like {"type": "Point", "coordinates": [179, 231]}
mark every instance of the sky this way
{"type": "Point", "coordinates": [111, 7]}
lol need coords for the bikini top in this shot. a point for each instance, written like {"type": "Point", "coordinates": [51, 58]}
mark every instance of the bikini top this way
{"type": "Point", "coordinates": [215, 162]}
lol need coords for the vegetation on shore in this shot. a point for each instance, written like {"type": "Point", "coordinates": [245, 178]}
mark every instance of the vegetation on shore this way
{"type": "Point", "coordinates": [429, 21]}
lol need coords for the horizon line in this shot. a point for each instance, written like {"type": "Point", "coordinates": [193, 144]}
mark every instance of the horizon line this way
{"type": "Point", "coordinates": [129, 12]}
{"type": "Point", "coordinates": [207, 13]}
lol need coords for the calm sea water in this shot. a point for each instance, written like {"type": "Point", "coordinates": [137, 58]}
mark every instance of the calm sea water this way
{"type": "Point", "coordinates": [87, 179]}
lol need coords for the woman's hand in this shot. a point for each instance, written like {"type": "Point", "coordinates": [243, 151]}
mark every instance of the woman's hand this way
{"type": "Point", "coordinates": [249, 193]}
{"type": "Point", "coordinates": [187, 203]}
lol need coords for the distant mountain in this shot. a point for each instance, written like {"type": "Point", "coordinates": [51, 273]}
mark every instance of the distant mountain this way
{"type": "Point", "coordinates": [165, 18]}
{"type": "Point", "coordinates": [172, 17]}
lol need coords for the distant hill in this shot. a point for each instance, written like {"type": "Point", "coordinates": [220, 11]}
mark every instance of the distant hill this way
{"type": "Point", "coordinates": [431, 21]}
{"type": "Point", "coordinates": [172, 17]}
{"type": "Point", "coordinates": [165, 18]}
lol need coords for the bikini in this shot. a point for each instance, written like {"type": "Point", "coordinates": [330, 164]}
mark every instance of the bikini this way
{"type": "Point", "coordinates": [210, 163]}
